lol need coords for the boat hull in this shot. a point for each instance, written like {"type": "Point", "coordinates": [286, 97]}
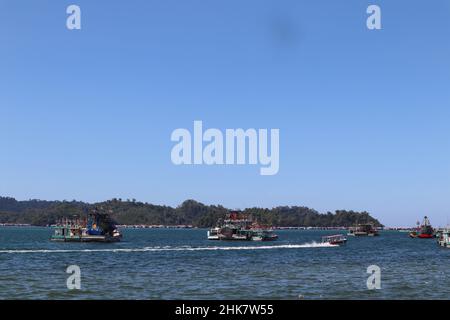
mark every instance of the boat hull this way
{"type": "Point", "coordinates": [421, 236]}
{"type": "Point", "coordinates": [338, 243]}
{"type": "Point", "coordinates": [86, 239]}
{"type": "Point", "coordinates": [363, 234]}
{"type": "Point", "coordinates": [265, 238]}
{"type": "Point", "coordinates": [234, 238]}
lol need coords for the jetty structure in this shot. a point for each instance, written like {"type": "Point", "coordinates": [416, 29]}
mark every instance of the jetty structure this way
{"type": "Point", "coordinates": [239, 227]}
{"type": "Point", "coordinates": [96, 226]}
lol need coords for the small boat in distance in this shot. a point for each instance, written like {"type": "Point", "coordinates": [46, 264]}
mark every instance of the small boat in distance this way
{"type": "Point", "coordinates": [443, 237]}
{"type": "Point", "coordinates": [337, 240]}
{"type": "Point", "coordinates": [424, 230]}
{"type": "Point", "coordinates": [95, 227]}
{"type": "Point", "coordinates": [213, 234]}
{"type": "Point", "coordinates": [438, 233]}
{"type": "Point", "coordinates": [363, 230]}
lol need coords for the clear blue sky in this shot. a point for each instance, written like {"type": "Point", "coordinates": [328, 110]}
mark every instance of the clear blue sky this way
{"type": "Point", "coordinates": [363, 115]}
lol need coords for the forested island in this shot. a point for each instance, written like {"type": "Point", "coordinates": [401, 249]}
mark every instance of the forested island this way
{"type": "Point", "coordinates": [190, 212]}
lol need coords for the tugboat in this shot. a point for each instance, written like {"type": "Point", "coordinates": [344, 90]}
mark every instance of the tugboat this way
{"type": "Point", "coordinates": [96, 227]}
{"type": "Point", "coordinates": [239, 227]}
{"type": "Point", "coordinates": [424, 230]}
{"type": "Point", "coordinates": [363, 230]}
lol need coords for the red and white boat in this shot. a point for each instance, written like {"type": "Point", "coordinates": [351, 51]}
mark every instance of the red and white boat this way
{"type": "Point", "coordinates": [336, 240]}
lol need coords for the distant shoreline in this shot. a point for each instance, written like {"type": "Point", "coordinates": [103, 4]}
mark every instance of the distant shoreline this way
{"type": "Point", "coordinates": [188, 214]}
{"type": "Point", "coordinates": [193, 227]}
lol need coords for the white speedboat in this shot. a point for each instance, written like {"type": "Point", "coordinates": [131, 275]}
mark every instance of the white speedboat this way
{"type": "Point", "coordinates": [336, 240]}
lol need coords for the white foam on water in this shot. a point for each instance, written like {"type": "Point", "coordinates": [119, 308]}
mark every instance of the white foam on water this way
{"type": "Point", "coordinates": [186, 248]}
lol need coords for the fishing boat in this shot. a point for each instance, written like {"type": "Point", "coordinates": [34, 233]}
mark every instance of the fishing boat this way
{"type": "Point", "coordinates": [239, 227]}
{"type": "Point", "coordinates": [337, 240]}
{"type": "Point", "coordinates": [424, 230]}
{"type": "Point", "coordinates": [95, 227]}
{"type": "Point", "coordinates": [363, 230]}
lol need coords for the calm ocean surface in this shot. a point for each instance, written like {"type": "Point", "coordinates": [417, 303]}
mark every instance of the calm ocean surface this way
{"type": "Point", "coordinates": [181, 264]}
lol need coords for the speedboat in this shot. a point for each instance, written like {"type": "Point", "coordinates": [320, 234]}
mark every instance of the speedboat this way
{"type": "Point", "coordinates": [337, 240]}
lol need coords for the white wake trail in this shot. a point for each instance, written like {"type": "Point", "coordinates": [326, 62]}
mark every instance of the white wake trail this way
{"type": "Point", "coordinates": [162, 249]}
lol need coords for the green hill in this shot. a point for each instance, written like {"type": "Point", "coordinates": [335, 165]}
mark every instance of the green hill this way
{"type": "Point", "coordinates": [190, 212]}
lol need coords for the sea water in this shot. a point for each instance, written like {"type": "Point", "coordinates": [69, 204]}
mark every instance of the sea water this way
{"type": "Point", "coordinates": [182, 264]}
